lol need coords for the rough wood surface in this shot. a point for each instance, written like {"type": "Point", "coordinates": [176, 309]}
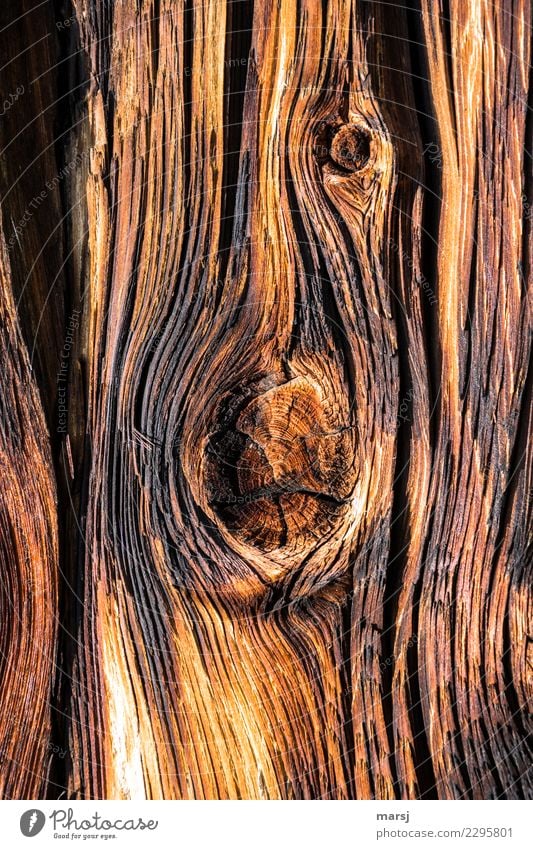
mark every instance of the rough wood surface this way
{"type": "Point", "coordinates": [293, 266]}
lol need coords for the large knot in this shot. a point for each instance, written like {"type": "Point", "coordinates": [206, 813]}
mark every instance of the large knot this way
{"type": "Point", "coordinates": [281, 470]}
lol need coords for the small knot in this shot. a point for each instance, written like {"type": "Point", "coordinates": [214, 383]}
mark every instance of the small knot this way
{"type": "Point", "coordinates": [350, 147]}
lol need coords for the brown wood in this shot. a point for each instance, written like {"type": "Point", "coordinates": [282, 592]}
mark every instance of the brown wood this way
{"type": "Point", "coordinates": [291, 267]}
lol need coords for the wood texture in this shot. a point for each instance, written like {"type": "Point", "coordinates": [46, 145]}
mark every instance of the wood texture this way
{"type": "Point", "coordinates": [292, 267]}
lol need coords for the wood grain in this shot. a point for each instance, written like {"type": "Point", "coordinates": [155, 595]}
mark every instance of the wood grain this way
{"type": "Point", "coordinates": [29, 551]}
{"type": "Point", "coordinates": [294, 488]}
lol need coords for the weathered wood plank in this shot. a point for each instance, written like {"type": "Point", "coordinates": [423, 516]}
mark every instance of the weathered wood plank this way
{"type": "Point", "coordinates": [294, 494]}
